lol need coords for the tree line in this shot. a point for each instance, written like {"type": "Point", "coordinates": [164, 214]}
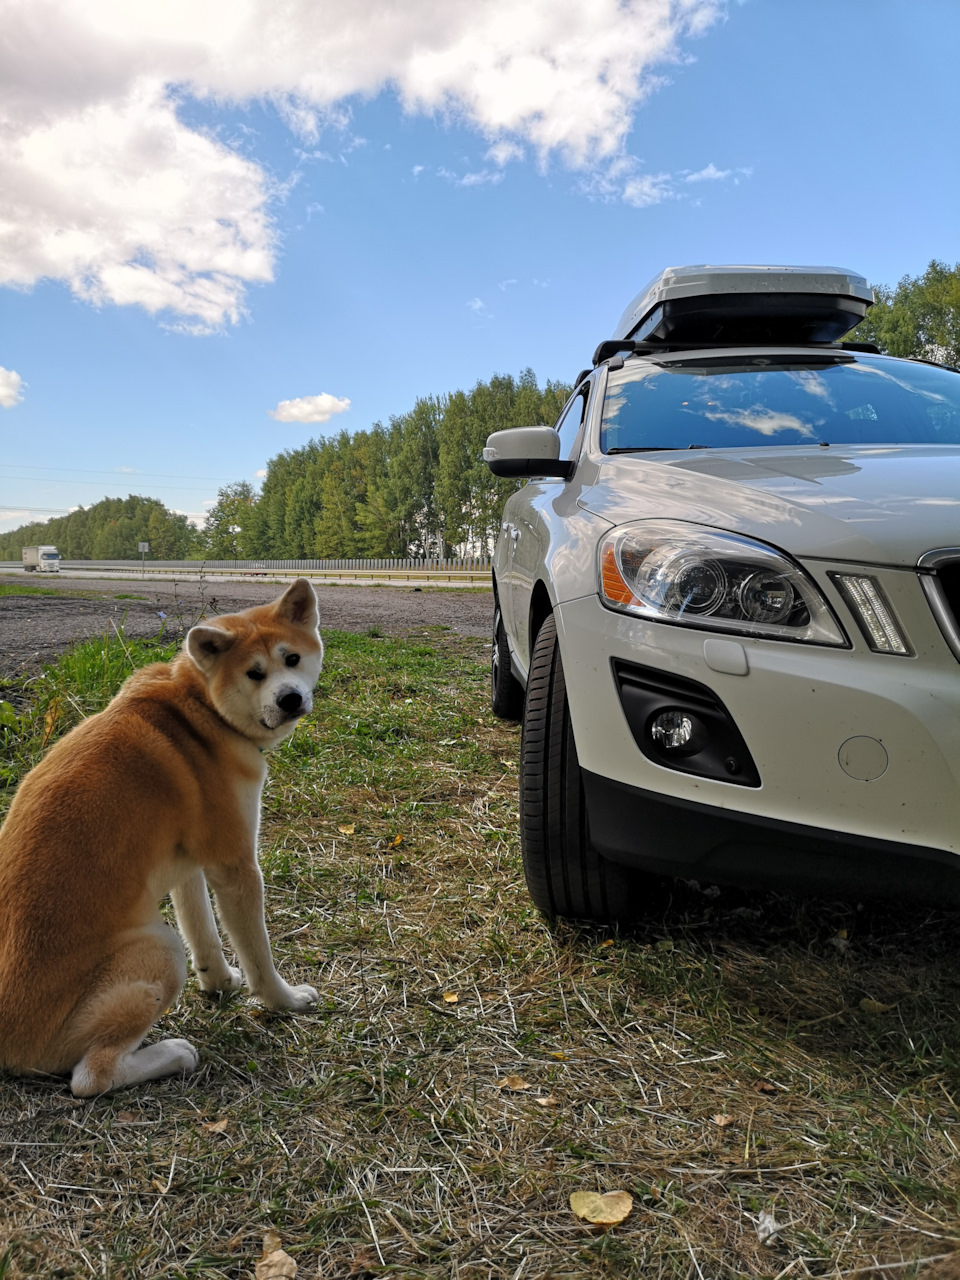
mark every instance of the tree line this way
{"type": "Point", "coordinates": [415, 487]}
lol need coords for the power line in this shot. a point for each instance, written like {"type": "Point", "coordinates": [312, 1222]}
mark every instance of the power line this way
{"type": "Point", "coordinates": [97, 484]}
{"type": "Point", "coordinates": [102, 471]}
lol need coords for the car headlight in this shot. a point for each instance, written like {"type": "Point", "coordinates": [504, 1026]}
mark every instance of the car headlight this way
{"type": "Point", "coordinates": [698, 577]}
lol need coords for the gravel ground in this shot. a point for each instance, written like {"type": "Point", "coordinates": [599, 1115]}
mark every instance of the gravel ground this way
{"type": "Point", "coordinates": [34, 629]}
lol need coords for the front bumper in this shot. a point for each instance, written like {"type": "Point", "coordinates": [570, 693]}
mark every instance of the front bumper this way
{"type": "Point", "coordinates": [692, 841]}
{"type": "Point", "coordinates": [797, 707]}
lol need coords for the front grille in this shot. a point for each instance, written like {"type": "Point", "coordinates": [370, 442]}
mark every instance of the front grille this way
{"type": "Point", "coordinates": [940, 579]}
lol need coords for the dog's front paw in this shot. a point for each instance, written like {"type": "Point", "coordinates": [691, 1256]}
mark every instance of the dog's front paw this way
{"type": "Point", "coordinates": [223, 981]}
{"type": "Point", "coordinates": [295, 998]}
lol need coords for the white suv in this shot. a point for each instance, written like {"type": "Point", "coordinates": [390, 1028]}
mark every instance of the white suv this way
{"type": "Point", "coordinates": [728, 603]}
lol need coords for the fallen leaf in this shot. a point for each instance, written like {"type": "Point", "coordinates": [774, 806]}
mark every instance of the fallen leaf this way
{"type": "Point", "coordinates": [451, 997]}
{"type": "Point", "coordinates": [560, 1057]}
{"type": "Point", "coordinates": [602, 1210]}
{"type": "Point", "coordinates": [396, 842]}
{"type": "Point", "coordinates": [665, 944]}
{"type": "Point", "coordinates": [722, 1121]}
{"type": "Point", "coordinates": [158, 1186]}
{"type": "Point", "coordinates": [127, 1117]}
{"type": "Point", "coordinates": [347, 829]}
{"type": "Point", "coordinates": [507, 764]}
{"type": "Point", "coordinates": [764, 1086]}
{"type": "Point", "coordinates": [515, 1083]}
{"type": "Point", "coordinates": [275, 1264]}
{"type": "Point", "coordinates": [548, 1101]}
{"type": "Point", "coordinates": [607, 942]}
{"type": "Point", "coordinates": [767, 1227]}
{"type": "Point", "coordinates": [215, 1126]}
{"type": "Point", "coordinates": [874, 1006]}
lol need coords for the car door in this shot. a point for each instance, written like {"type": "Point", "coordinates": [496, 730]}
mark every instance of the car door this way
{"type": "Point", "coordinates": [527, 530]}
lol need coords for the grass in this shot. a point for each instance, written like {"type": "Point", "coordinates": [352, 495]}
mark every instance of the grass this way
{"type": "Point", "coordinates": [15, 589]}
{"type": "Point", "coordinates": [722, 1062]}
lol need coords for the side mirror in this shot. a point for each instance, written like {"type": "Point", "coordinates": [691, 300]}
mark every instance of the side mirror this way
{"type": "Point", "coordinates": [527, 451]}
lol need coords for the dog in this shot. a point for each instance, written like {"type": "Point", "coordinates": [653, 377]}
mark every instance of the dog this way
{"type": "Point", "coordinates": [157, 794]}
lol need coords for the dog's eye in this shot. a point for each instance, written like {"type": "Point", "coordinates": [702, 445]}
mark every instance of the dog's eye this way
{"type": "Point", "coordinates": [254, 674]}
{"type": "Point", "coordinates": [292, 659]}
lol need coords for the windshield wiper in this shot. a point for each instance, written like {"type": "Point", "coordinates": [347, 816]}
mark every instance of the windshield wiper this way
{"type": "Point", "coordinates": [656, 448]}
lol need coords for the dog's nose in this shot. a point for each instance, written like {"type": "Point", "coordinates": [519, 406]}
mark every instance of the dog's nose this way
{"type": "Point", "coordinates": [290, 703]}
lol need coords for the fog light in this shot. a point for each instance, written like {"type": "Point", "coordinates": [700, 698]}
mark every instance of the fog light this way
{"type": "Point", "coordinates": [678, 732]}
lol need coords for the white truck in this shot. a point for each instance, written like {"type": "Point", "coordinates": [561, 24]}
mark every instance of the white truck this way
{"type": "Point", "coordinates": [41, 559]}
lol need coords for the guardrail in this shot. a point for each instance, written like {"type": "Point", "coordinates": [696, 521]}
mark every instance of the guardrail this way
{"type": "Point", "coordinates": [463, 571]}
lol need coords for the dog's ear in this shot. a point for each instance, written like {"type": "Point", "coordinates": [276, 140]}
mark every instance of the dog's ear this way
{"type": "Point", "coordinates": [206, 644]}
{"type": "Point", "coordinates": [298, 605]}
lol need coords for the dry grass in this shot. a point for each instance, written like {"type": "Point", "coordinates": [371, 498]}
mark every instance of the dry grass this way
{"type": "Point", "coordinates": [377, 1136]}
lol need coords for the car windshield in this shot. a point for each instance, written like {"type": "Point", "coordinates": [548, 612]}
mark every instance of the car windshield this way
{"type": "Point", "coordinates": [731, 402]}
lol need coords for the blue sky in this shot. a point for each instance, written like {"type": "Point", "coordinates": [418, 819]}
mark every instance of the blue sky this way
{"type": "Point", "coordinates": [403, 225]}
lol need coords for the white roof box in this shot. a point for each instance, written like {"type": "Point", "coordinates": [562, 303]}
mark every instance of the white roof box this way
{"type": "Point", "coordinates": [706, 304]}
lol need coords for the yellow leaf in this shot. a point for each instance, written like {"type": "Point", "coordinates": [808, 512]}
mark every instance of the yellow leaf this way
{"type": "Point", "coordinates": [722, 1121]}
{"type": "Point", "coordinates": [874, 1006]}
{"type": "Point", "coordinates": [560, 1057]}
{"type": "Point", "coordinates": [516, 1083]}
{"type": "Point", "coordinates": [347, 829]}
{"type": "Point", "coordinates": [548, 1101]}
{"type": "Point", "coordinates": [451, 997]}
{"type": "Point", "coordinates": [216, 1126]}
{"type": "Point", "coordinates": [275, 1264]}
{"type": "Point", "coordinates": [51, 718]}
{"type": "Point", "coordinates": [396, 842]}
{"type": "Point", "coordinates": [607, 942]}
{"type": "Point", "coordinates": [602, 1210]}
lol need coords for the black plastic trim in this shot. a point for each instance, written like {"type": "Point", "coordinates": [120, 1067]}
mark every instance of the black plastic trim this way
{"type": "Point", "coordinates": [515, 468]}
{"type": "Point", "coordinates": [692, 841]}
{"type": "Point", "coordinates": [646, 692]}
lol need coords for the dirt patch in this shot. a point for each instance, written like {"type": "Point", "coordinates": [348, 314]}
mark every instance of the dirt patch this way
{"type": "Point", "coordinates": [35, 628]}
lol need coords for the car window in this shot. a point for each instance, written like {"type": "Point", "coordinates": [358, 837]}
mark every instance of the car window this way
{"type": "Point", "coordinates": [571, 420]}
{"type": "Point", "coordinates": [724, 402]}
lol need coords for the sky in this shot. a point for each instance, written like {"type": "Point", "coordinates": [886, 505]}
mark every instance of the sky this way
{"type": "Point", "coordinates": [230, 226]}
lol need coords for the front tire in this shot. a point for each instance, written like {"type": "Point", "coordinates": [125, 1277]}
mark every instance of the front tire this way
{"type": "Point", "coordinates": [564, 875]}
{"type": "Point", "coordinates": [506, 692]}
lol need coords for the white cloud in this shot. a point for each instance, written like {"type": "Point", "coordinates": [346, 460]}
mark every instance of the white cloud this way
{"type": "Point", "coordinates": [647, 188]}
{"type": "Point", "coordinates": [11, 388]}
{"type": "Point", "coordinates": [503, 152]}
{"type": "Point", "coordinates": [479, 309]}
{"type": "Point", "coordinates": [319, 408]}
{"type": "Point", "coordinates": [104, 187]}
{"type": "Point", "coordinates": [261, 473]}
{"type": "Point", "coordinates": [710, 174]}
{"type": "Point", "coordinates": [478, 179]}
{"type": "Point", "coordinates": [504, 285]}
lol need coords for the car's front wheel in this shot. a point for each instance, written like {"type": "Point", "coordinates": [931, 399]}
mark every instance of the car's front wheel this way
{"type": "Point", "coordinates": [506, 692]}
{"type": "Point", "coordinates": [564, 875]}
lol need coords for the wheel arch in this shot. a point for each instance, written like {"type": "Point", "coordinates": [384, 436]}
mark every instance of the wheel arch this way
{"type": "Point", "coordinates": [541, 607]}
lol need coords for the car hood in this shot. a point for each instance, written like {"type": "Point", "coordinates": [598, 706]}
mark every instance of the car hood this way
{"type": "Point", "coordinates": [869, 504]}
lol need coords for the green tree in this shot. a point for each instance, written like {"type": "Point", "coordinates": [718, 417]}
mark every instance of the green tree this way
{"type": "Point", "coordinates": [920, 317]}
{"type": "Point", "coordinates": [227, 531]}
